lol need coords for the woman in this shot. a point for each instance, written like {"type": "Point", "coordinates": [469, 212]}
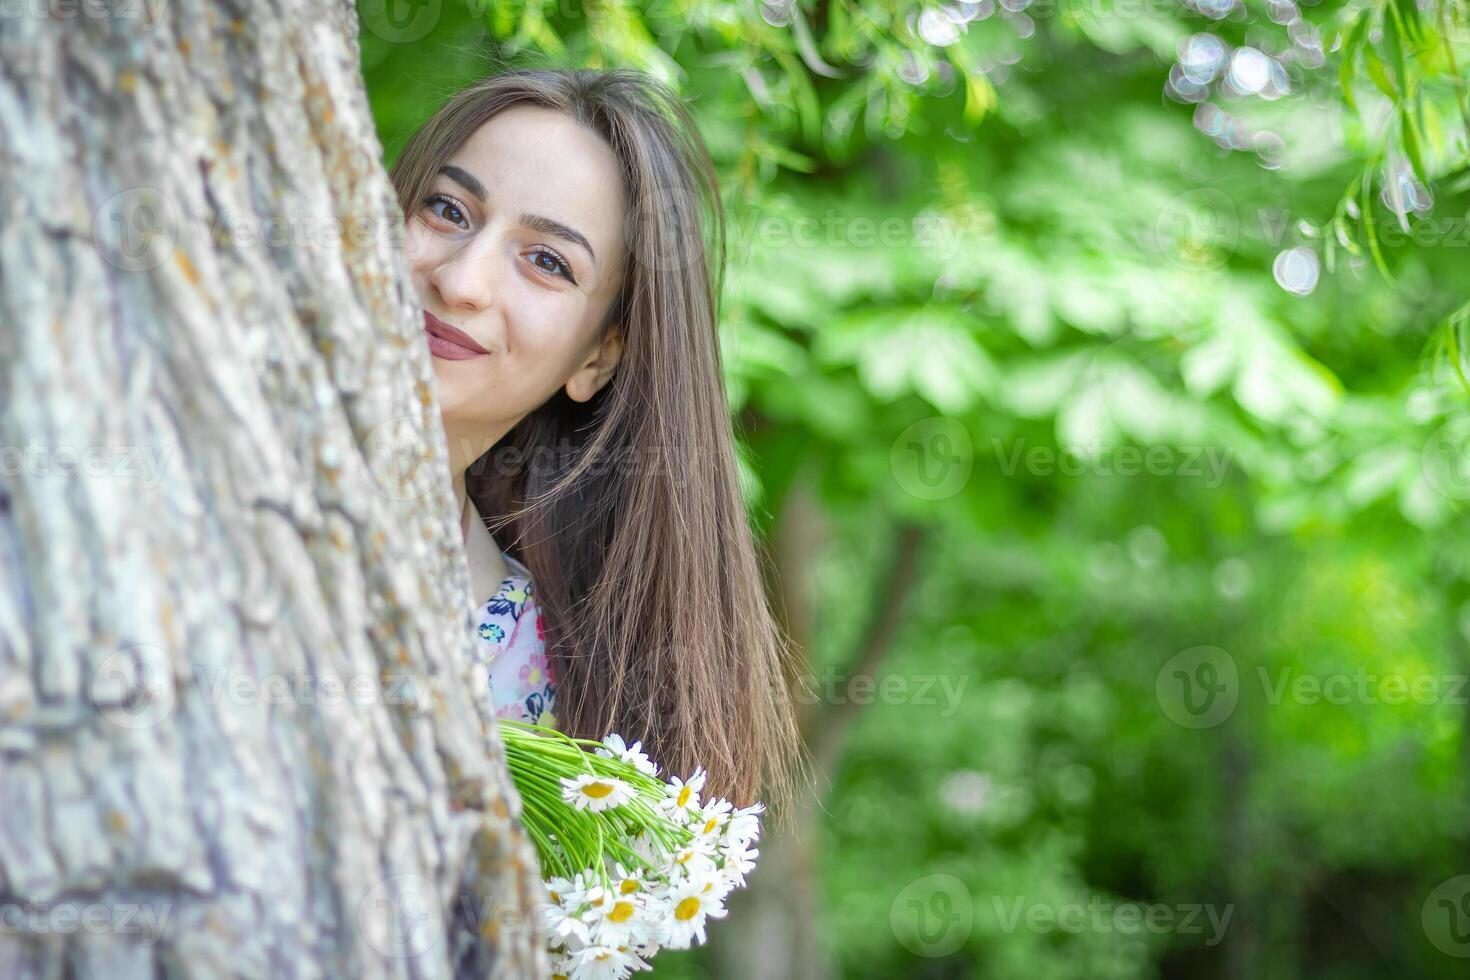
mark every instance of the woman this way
{"type": "Point", "coordinates": [553, 224]}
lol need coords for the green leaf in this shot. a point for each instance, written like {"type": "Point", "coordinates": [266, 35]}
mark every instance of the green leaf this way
{"type": "Point", "coordinates": [1379, 74]}
{"type": "Point", "coordinates": [1411, 144]}
{"type": "Point", "coordinates": [1365, 218]}
{"type": "Point", "coordinates": [1345, 76]}
{"type": "Point", "coordinates": [1393, 41]}
{"type": "Point", "coordinates": [784, 156]}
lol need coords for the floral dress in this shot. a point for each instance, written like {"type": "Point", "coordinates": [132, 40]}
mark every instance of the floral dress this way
{"type": "Point", "coordinates": [514, 674]}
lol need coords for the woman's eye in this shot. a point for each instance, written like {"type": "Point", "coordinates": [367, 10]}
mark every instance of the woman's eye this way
{"type": "Point", "coordinates": [451, 212]}
{"type": "Point", "coordinates": [553, 264]}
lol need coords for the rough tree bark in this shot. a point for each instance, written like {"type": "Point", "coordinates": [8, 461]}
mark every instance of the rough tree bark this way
{"type": "Point", "coordinates": [237, 732]}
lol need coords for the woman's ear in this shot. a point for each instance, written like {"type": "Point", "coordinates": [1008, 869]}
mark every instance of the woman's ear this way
{"type": "Point", "coordinates": [598, 369]}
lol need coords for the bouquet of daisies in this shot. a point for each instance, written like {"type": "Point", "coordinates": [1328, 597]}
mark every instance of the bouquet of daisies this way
{"type": "Point", "coordinates": [633, 862]}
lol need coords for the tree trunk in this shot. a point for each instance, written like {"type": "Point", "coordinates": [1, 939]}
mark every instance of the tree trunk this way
{"type": "Point", "coordinates": [774, 928]}
{"type": "Point", "coordinates": [237, 732]}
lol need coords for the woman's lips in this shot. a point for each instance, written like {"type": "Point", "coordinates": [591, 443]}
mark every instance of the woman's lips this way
{"type": "Point", "coordinates": [448, 342]}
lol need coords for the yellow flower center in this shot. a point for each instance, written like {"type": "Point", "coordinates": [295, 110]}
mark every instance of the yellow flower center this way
{"type": "Point", "coordinates": [628, 887]}
{"type": "Point", "coordinates": [686, 909]}
{"type": "Point", "coordinates": [710, 824]}
{"type": "Point", "coordinates": [622, 912]}
{"type": "Point", "coordinates": [597, 790]}
{"type": "Point", "coordinates": [683, 799]}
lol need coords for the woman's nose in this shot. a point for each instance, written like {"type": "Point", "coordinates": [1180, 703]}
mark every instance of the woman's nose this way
{"type": "Point", "coordinates": [466, 279]}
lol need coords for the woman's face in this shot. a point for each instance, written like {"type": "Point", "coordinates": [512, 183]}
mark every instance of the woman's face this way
{"type": "Point", "coordinates": [519, 245]}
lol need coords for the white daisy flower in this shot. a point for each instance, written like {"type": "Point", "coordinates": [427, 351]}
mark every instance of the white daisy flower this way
{"type": "Point", "coordinates": [596, 904]}
{"type": "Point", "coordinates": [691, 904]}
{"type": "Point", "coordinates": [616, 748]}
{"type": "Point", "coordinates": [683, 796]}
{"type": "Point", "coordinates": [649, 848]}
{"type": "Point", "coordinates": [626, 882]}
{"type": "Point", "coordinates": [745, 824]}
{"type": "Point", "coordinates": [711, 820]}
{"type": "Point", "coordinates": [562, 965]}
{"type": "Point", "coordinates": [605, 963]}
{"type": "Point", "coordinates": [563, 928]}
{"type": "Point", "coordinates": [739, 862]}
{"type": "Point", "coordinates": [695, 861]}
{"type": "Point", "coordinates": [595, 793]}
{"type": "Point", "coordinates": [624, 921]}
{"type": "Point", "coordinates": [567, 892]}
{"type": "Point", "coordinates": [561, 917]}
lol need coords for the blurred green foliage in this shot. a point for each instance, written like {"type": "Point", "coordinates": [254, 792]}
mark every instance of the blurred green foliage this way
{"type": "Point", "coordinates": [1193, 323]}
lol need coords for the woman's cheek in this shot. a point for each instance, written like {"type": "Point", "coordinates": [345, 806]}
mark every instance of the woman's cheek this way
{"type": "Point", "coordinates": [413, 250]}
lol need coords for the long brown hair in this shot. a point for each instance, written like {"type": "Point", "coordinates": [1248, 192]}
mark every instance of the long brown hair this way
{"type": "Point", "coordinates": [627, 508]}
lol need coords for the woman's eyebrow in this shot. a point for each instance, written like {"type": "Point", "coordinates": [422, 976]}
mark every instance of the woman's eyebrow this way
{"type": "Point", "coordinates": [550, 226]}
{"type": "Point", "coordinates": [536, 222]}
{"type": "Point", "coordinates": [465, 179]}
